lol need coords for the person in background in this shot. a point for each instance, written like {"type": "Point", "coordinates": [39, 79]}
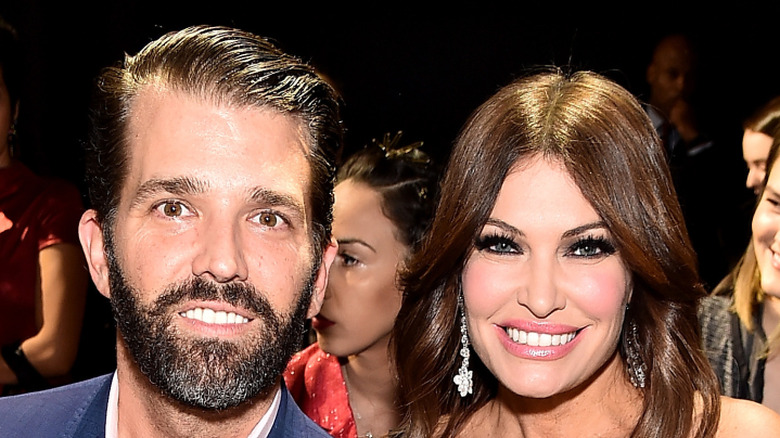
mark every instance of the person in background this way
{"type": "Point", "coordinates": [384, 200]}
{"type": "Point", "coordinates": [701, 166]}
{"type": "Point", "coordinates": [759, 130]}
{"type": "Point", "coordinates": [555, 293]}
{"type": "Point", "coordinates": [43, 282]}
{"type": "Point", "coordinates": [741, 319]}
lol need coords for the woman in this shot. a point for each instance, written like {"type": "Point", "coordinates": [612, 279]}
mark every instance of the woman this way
{"type": "Point", "coordinates": [383, 204]}
{"type": "Point", "coordinates": [759, 129]}
{"type": "Point", "coordinates": [43, 282]}
{"type": "Point", "coordinates": [558, 255]}
{"type": "Point", "coordinates": [741, 320]}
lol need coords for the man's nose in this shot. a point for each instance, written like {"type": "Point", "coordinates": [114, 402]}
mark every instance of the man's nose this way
{"type": "Point", "coordinates": [220, 251]}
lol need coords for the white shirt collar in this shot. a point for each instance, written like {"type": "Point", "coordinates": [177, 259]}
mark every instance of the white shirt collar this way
{"type": "Point", "coordinates": [261, 429]}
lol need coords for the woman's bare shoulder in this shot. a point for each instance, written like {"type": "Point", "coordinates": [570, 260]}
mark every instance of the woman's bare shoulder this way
{"type": "Point", "coordinates": [743, 418]}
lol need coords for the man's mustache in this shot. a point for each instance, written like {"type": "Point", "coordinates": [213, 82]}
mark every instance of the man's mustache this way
{"type": "Point", "coordinates": [241, 295]}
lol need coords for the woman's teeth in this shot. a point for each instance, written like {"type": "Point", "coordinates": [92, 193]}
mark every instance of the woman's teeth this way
{"type": "Point", "coordinates": [534, 339]}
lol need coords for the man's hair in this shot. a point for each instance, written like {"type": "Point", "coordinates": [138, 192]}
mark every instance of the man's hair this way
{"type": "Point", "coordinates": [224, 66]}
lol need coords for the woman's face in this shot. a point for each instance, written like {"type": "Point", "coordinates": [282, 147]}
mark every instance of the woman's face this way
{"type": "Point", "coordinates": [545, 288]}
{"type": "Point", "coordinates": [766, 233]}
{"type": "Point", "coordinates": [362, 298]}
{"type": "Point", "coordinates": [755, 150]}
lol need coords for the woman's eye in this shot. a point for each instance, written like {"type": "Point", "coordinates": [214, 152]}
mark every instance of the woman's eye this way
{"type": "Point", "coordinates": [592, 247]}
{"type": "Point", "coordinates": [172, 209]}
{"type": "Point", "coordinates": [348, 260]}
{"type": "Point", "coordinates": [496, 244]}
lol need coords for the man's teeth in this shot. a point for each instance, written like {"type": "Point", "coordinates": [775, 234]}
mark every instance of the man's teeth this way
{"type": "Point", "coordinates": [533, 339]}
{"type": "Point", "coordinates": [209, 316]}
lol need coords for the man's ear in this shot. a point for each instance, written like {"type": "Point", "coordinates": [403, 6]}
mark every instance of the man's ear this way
{"type": "Point", "coordinates": [651, 74]}
{"type": "Point", "coordinates": [321, 282]}
{"type": "Point", "coordinates": [91, 237]}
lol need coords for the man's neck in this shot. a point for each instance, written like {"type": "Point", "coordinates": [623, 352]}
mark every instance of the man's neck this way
{"type": "Point", "coordinates": [144, 411]}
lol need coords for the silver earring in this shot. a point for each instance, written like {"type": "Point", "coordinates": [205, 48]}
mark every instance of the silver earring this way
{"type": "Point", "coordinates": [464, 377]}
{"type": "Point", "coordinates": [636, 366]}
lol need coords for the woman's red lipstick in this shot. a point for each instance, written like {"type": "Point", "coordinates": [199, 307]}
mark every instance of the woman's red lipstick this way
{"type": "Point", "coordinates": [319, 322]}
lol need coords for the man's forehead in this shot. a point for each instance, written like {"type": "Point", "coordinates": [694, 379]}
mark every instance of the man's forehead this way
{"type": "Point", "coordinates": [156, 95]}
{"type": "Point", "coordinates": [181, 129]}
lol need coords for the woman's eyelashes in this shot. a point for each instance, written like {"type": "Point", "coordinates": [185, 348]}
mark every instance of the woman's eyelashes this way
{"type": "Point", "coordinates": [347, 260]}
{"type": "Point", "coordinates": [588, 247]}
{"type": "Point", "coordinates": [591, 247]}
{"type": "Point", "coordinates": [497, 243]}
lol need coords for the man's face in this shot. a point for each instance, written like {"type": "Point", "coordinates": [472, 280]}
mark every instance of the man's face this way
{"type": "Point", "coordinates": [210, 263]}
{"type": "Point", "coordinates": [670, 74]}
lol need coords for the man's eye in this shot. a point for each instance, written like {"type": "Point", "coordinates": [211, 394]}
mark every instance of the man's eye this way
{"type": "Point", "coordinates": [172, 209]}
{"type": "Point", "coordinates": [269, 219]}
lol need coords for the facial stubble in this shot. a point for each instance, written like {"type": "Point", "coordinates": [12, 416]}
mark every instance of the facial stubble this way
{"type": "Point", "coordinates": [206, 373]}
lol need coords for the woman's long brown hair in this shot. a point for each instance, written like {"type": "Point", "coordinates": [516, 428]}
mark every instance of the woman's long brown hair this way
{"type": "Point", "coordinates": [607, 143]}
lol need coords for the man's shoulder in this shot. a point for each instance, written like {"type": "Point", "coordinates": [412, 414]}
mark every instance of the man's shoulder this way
{"type": "Point", "coordinates": [57, 411]}
{"type": "Point", "coordinates": [291, 421]}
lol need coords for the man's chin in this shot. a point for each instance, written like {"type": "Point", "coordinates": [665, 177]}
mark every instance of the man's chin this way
{"type": "Point", "coordinates": [207, 372]}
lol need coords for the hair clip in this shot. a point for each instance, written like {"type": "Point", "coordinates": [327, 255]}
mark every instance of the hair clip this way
{"type": "Point", "coordinates": [411, 152]}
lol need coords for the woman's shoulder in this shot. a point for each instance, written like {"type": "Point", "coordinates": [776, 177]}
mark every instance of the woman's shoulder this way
{"type": "Point", "coordinates": [715, 304]}
{"type": "Point", "coordinates": [743, 418]}
{"type": "Point", "coordinates": [309, 359]}
{"type": "Point", "coordinates": [715, 318]}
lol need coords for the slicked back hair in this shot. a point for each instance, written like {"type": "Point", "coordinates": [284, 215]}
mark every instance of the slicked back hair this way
{"type": "Point", "coordinates": [224, 66]}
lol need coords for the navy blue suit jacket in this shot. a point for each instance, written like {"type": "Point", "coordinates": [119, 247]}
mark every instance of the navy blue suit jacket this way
{"type": "Point", "coordinates": [79, 411]}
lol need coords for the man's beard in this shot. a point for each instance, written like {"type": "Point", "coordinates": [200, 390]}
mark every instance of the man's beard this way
{"type": "Point", "coordinates": [206, 373]}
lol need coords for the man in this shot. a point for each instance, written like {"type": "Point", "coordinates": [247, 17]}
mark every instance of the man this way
{"type": "Point", "coordinates": [700, 167]}
{"type": "Point", "coordinates": [671, 77]}
{"type": "Point", "coordinates": [211, 177]}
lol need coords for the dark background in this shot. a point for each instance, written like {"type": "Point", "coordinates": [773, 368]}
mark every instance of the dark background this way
{"type": "Point", "coordinates": [397, 69]}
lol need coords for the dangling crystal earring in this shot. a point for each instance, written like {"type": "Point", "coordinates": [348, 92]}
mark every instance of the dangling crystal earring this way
{"type": "Point", "coordinates": [463, 378]}
{"type": "Point", "coordinates": [636, 366]}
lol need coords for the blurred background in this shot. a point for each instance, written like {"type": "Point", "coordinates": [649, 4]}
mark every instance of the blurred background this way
{"type": "Point", "coordinates": [398, 69]}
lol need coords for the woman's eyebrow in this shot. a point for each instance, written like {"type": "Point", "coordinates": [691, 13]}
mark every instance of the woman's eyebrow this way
{"type": "Point", "coordinates": [584, 228]}
{"type": "Point", "coordinates": [355, 241]}
{"type": "Point", "coordinates": [498, 223]}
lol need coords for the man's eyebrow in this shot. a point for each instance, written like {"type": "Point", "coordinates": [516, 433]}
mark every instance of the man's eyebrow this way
{"type": "Point", "coordinates": [177, 186]}
{"type": "Point", "coordinates": [272, 198]}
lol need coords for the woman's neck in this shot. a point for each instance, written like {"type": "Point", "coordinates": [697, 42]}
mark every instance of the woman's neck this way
{"type": "Point", "coordinates": [371, 386]}
{"type": "Point", "coordinates": [771, 315]}
{"type": "Point", "coordinates": [607, 405]}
